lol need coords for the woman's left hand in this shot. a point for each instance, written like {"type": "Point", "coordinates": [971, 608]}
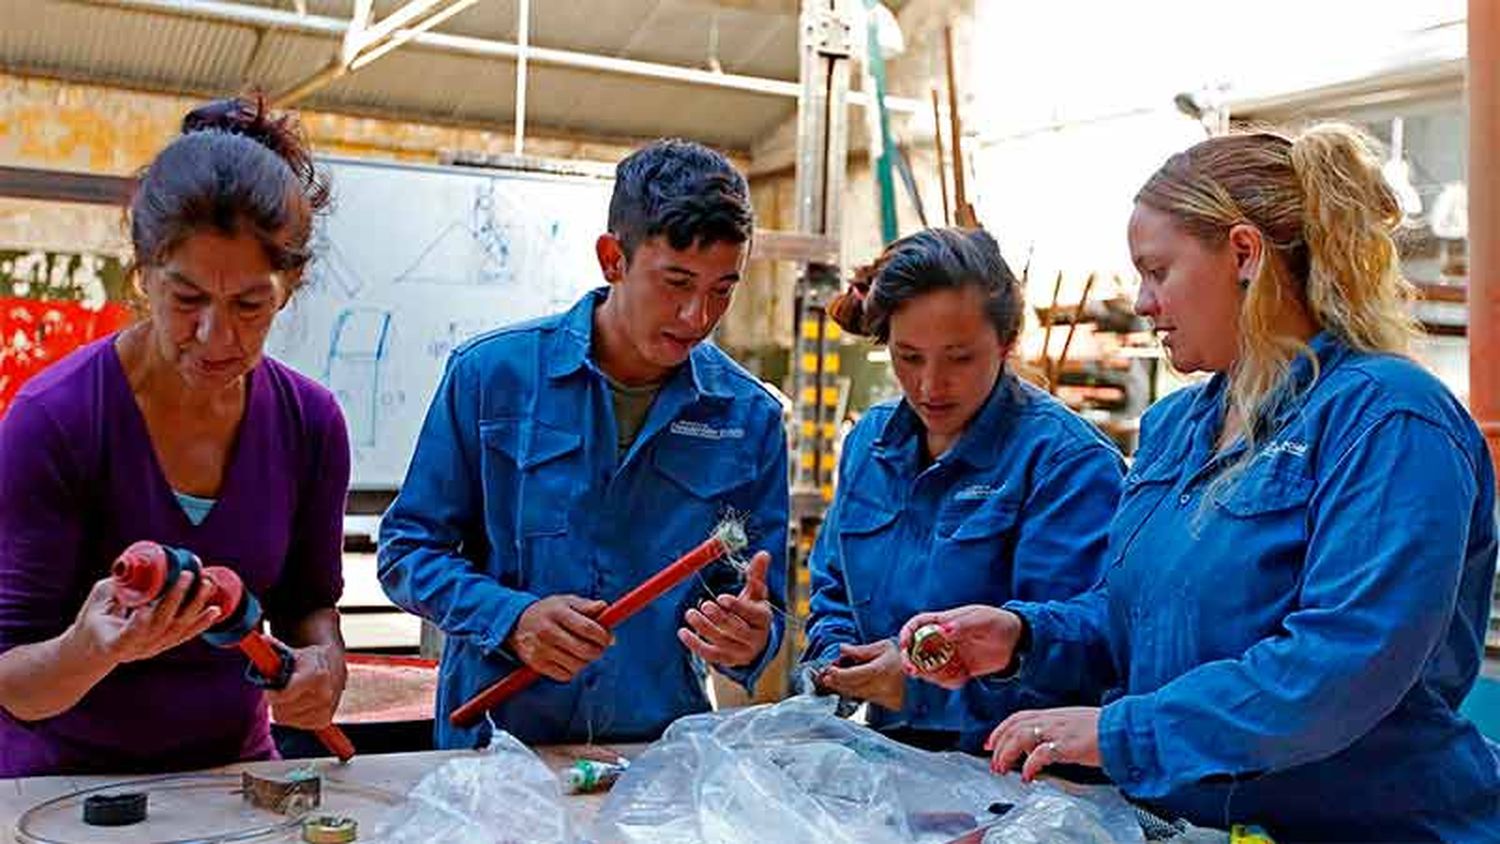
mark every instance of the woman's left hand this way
{"type": "Point", "coordinates": [312, 695]}
{"type": "Point", "coordinates": [875, 675]}
{"type": "Point", "coordinates": [1068, 735]}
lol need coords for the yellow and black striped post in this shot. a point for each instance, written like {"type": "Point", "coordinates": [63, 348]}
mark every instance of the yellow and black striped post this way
{"type": "Point", "coordinates": [816, 430]}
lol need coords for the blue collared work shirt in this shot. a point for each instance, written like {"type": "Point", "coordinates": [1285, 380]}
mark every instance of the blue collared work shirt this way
{"type": "Point", "coordinates": [1018, 507]}
{"type": "Point", "coordinates": [515, 492]}
{"type": "Point", "coordinates": [1292, 651]}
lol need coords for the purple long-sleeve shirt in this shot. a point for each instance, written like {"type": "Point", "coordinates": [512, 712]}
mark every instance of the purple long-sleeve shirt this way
{"type": "Point", "coordinates": [79, 481]}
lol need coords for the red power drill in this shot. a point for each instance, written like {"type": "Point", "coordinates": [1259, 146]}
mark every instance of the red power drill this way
{"type": "Point", "coordinates": [146, 570]}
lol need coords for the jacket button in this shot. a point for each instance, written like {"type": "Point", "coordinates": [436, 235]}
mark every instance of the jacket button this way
{"type": "Point", "coordinates": [1184, 498]}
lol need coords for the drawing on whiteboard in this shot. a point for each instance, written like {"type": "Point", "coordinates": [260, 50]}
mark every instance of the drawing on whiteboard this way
{"type": "Point", "coordinates": [503, 242]}
{"type": "Point", "coordinates": [477, 251]}
{"type": "Point", "coordinates": [446, 339]}
{"type": "Point", "coordinates": [332, 266]}
{"type": "Point", "coordinates": [356, 355]}
{"type": "Point", "coordinates": [413, 262]}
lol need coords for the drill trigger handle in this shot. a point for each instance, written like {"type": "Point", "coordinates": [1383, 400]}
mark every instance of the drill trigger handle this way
{"type": "Point", "coordinates": [286, 666]}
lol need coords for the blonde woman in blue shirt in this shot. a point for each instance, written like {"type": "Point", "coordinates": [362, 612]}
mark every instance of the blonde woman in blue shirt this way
{"type": "Point", "coordinates": [1301, 565]}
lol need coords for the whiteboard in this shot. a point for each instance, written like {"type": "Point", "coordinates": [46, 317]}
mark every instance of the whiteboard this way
{"type": "Point", "coordinates": [412, 261]}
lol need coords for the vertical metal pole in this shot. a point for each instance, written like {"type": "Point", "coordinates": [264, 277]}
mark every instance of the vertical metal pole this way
{"type": "Point", "coordinates": [942, 172]}
{"type": "Point", "coordinates": [823, 145]}
{"type": "Point", "coordinates": [523, 40]}
{"type": "Point", "coordinates": [827, 38]}
{"type": "Point", "coordinates": [884, 163]}
{"type": "Point", "coordinates": [1484, 218]}
{"type": "Point", "coordinates": [963, 211]}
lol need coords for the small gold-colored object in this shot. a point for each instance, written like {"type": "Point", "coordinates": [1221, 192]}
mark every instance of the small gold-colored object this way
{"type": "Point", "coordinates": [930, 649]}
{"type": "Point", "coordinates": [298, 792]}
{"type": "Point", "coordinates": [329, 829]}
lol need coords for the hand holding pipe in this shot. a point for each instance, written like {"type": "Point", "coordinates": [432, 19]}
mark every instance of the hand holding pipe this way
{"type": "Point", "coordinates": [728, 538]}
{"type": "Point", "coordinates": [146, 570]}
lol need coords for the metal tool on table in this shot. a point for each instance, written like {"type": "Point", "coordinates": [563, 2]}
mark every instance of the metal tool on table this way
{"type": "Point", "coordinates": [329, 829]}
{"type": "Point", "coordinates": [292, 794]}
{"type": "Point", "coordinates": [146, 570]}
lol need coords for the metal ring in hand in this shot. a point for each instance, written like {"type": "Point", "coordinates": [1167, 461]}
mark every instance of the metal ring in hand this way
{"type": "Point", "coordinates": [1051, 748]}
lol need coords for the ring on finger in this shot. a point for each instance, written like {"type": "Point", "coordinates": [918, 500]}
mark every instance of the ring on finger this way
{"type": "Point", "coordinates": [1051, 748]}
{"type": "Point", "coordinates": [1036, 734]}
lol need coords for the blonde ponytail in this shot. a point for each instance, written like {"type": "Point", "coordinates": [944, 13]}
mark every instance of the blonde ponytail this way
{"type": "Point", "coordinates": [1327, 218]}
{"type": "Point", "coordinates": [1350, 214]}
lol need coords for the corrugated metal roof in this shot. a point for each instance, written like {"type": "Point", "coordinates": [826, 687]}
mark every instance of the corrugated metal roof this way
{"type": "Point", "coordinates": [90, 40]}
{"type": "Point", "coordinates": [157, 51]}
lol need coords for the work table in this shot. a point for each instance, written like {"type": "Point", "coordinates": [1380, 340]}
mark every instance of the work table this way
{"type": "Point", "coordinates": [363, 790]}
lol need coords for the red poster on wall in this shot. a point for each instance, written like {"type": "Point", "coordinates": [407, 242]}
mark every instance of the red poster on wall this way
{"type": "Point", "coordinates": [35, 333]}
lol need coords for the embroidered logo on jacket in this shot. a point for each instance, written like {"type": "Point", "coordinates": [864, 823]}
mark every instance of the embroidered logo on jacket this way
{"type": "Point", "coordinates": [1292, 447]}
{"type": "Point", "coordinates": [977, 492]}
{"type": "Point", "coordinates": [699, 430]}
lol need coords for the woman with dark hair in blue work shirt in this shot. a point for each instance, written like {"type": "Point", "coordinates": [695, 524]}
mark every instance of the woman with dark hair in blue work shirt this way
{"type": "Point", "coordinates": [1301, 565]}
{"type": "Point", "coordinates": [974, 486]}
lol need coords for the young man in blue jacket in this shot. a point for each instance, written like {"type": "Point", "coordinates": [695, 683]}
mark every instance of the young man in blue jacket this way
{"type": "Point", "coordinates": [567, 459]}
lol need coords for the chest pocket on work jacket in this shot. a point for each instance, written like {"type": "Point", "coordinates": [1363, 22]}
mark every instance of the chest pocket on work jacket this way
{"type": "Point", "coordinates": [867, 548]}
{"type": "Point", "coordinates": [531, 470]}
{"type": "Point", "coordinates": [1253, 546]}
{"type": "Point", "coordinates": [706, 470]}
{"type": "Point", "coordinates": [1261, 491]}
{"type": "Point", "coordinates": [704, 482]}
{"type": "Point", "coordinates": [971, 557]}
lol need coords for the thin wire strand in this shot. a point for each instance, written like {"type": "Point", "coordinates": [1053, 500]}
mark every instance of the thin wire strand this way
{"type": "Point", "coordinates": [185, 781]}
{"type": "Point", "coordinates": [740, 563]}
{"type": "Point", "coordinates": [176, 782]}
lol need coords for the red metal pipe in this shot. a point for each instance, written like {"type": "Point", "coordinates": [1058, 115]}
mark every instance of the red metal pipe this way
{"type": "Point", "coordinates": [723, 542]}
{"type": "Point", "coordinates": [1484, 219]}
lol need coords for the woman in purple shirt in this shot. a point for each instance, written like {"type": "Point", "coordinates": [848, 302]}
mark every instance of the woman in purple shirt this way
{"type": "Point", "coordinates": [180, 431]}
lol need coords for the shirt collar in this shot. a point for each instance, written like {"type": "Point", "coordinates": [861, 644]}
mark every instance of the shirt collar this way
{"type": "Point", "coordinates": [1209, 407]}
{"type": "Point", "coordinates": [572, 350]}
{"type": "Point", "coordinates": [983, 438]}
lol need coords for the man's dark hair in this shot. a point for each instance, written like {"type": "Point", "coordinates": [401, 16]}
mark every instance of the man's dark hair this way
{"type": "Point", "coordinates": [683, 191]}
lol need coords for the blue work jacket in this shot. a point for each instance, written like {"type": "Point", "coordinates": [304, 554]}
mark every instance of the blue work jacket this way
{"type": "Point", "coordinates": [1290, 647]}
{"type": "Point", "coordinates": [1018, 507]}
{"type": "Point", "coordinates": [515, 492]}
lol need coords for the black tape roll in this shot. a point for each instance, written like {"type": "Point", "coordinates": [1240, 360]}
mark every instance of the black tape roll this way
{"type": "Point", "coordinates": [122, 809]}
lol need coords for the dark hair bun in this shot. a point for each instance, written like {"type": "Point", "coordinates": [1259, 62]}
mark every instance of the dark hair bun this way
{"type": "Point", "coordinates": [848, 308]}
{"type": "Point", "coordinates": [251, 117]}
{"type": "Point", "coordinates": [925, 261]}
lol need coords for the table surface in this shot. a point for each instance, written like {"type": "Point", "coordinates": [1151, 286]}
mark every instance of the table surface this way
{"type": "Point", "coordinates": [389, 775]}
